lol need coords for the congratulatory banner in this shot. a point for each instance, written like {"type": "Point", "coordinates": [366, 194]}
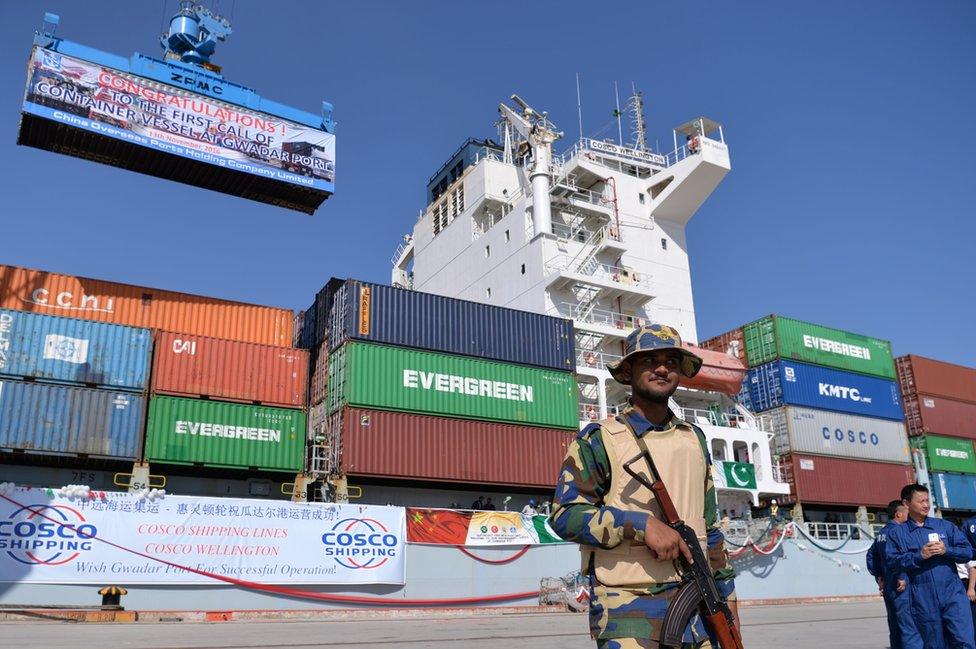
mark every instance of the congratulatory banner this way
{"type": "Point", "coordinates": [452, 527]}
{"type": "Point", "coordinates": [171, 120]}
{"type": "Point", "coordinates": [46, 539]}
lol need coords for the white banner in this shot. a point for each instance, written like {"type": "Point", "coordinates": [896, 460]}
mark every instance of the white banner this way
{"type": "Point", "coordinates": [46, 539]}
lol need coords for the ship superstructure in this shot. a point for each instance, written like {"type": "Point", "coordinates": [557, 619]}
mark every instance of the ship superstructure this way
{"type": "Point", "coordinates": [595, 233]}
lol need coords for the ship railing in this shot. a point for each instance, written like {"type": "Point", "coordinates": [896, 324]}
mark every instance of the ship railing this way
{"type": "Point", "coordinates": [598, 270]}
{"type": "Point", "coordinates": [837, 531]}
{"type": "Point", "coordinates": [780, 473]}
{"type": "Point", "coordinates": [487, 153]}
{"type": "Point", "coordinates": [680, 154]}
{"type": "Point", "coordinates": [598, 316]}
{"type": "Point", "coordinates": [595, 360]}
{"type": "Point", "coordinates": [726, 419]}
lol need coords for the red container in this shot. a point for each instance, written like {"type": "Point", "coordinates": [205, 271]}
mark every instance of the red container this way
{"type": "Point", "coordinates": [420, 447]}
{"type": "Point", "coordinates": [919, 375]}
{"type": "Point", "coordinates": [822, 480]}
{"type": "Point", "coordinates": [719, 372]}
{"type": "Point", "coordinates": [731, 343]}
{"type": "Point", "coordinates": [196, 366]}
{"type": "Point", "coordinates": [318, 381]}
{"type": "Point", "coordinates": [930, 414]}
{"type": "Point", "coordinates": [137, 306]}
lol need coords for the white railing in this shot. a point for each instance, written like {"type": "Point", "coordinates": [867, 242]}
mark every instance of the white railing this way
{"type": "Point", "coordinates": [779, 473]}
{"type": "Point", "coordinates": [597, 270]}
{"type": "Point", "coordinates": [487, 153]}
{"type": "Point", "coordinates": [729, 420]}
{"type": "Point", "coordinates": [596, 360]}
{"type": "Point", "coordinates": [839, 531]}
{"type": "Point", "coordinates": [603, 317]}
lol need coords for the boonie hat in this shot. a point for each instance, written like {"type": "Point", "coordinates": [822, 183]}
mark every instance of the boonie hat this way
{"type": "Point", "coordinates": [651, 338]}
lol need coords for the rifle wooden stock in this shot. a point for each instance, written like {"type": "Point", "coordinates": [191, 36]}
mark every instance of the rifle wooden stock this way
{"type": "Point", "coordinates": [727, 634]}
{"type": "Point", "coordinates": [668, 510]}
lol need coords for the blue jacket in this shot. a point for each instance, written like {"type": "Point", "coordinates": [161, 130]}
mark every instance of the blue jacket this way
{"type": "Point", "coordinates": [969, 529]}
{"type": "Point", "coordinates": [903, 551]}
{"type": "Point", "coordinates": [876, 557]}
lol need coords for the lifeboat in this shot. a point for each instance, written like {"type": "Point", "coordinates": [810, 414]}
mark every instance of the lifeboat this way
{"type": "Point", "coordinates": [719, 372]}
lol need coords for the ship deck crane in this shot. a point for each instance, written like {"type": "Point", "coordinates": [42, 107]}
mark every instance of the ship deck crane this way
{"type": "Point", "coordinates": [539, 133]}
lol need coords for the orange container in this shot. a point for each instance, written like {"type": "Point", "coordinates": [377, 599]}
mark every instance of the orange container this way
{"type": "Point", "coordinates": [227, 370]}
{"type": "Point", "coordinates": [137, 306]}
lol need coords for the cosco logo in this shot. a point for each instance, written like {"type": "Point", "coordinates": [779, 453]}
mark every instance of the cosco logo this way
{"type": "Point", "coordinates": [359, 543]}
{"type": "Point", "coordinates": [850, 436]}
{"type": "Point", "coordinates": [50, 535]}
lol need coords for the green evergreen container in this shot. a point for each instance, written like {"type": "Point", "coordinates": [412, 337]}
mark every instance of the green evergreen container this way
{"type": "Point", "coordinates": [412, 380]}
{"type": "Point", "coordinates": [775, 337]}
{"type": "Point", "coordinates": [952, 454]}
{"type": "Point", "coordinates": [211, 433]}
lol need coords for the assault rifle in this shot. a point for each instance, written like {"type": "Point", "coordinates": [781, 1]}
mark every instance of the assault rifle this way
{"type": "Point", "coordinates": [697, 591]}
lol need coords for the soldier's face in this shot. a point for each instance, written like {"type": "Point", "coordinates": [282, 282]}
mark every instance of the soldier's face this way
{"type": "Point", "coordinates": [654, 376]}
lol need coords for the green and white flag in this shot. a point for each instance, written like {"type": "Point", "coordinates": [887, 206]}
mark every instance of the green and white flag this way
{"type": "Point", "coordinates": [734, 475]}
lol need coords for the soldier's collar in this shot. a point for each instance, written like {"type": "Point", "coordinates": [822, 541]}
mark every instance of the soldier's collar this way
{"type": "Point", "coordinates": [641, 425]}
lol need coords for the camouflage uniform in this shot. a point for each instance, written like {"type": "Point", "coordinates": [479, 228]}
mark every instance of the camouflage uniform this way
{"type": "Point", "coordinates": [626, 618]}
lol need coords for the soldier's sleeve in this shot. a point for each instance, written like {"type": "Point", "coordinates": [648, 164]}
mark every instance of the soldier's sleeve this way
{"type": "Point", "coordinates": [718, 556]}
{"type": "Point", "coordinates": [579, 513]}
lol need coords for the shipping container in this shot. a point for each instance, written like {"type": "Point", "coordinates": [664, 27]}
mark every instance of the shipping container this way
{"type": "Point", "coordinates": [954, 492]}
{"type": "Point", "coordinates": [719, 372]}
{"type": "Point", "coordinates": [395, 378]}
{"type": "Point", "coordinates": [821, 432]}
{"type": "Point", "coordinates": [930, 414]}
{"type": "Point", "coordinates": [780, 383]}
{"type": "Point", "coordinates": [732, 343]}
{"type": "Point", "coordinates": [318, 382]}
{"type": "Point", "coordinates": [775, 337]}
{"type": "Point", "coordinates": [79, 297]}
{"type": "Point", "coordinates": [211, 433]}
{"type": "Point", "coordinates": [394, 316]}
{"type": "Point", "coordinates": [947, 453]}
{"type": "Point", "coordinates": [67, 350]}
{"type": "Point", "coordinates": [841, 481]}
{"type": "Point", "coordinates": [919, 375]}
{"type": "Point", "coordinates": [65, 420]}
{"type": "Point", "coordinates": [197, 366]}
{"type": "Point", "coordinates": [377, 443]}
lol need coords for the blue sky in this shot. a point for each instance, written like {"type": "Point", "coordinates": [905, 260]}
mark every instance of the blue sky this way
{"type": "Point", "coordinates": [850, 202]}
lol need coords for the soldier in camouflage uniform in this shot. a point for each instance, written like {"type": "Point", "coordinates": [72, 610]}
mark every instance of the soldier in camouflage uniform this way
{"type": "Point", "coordinates": [628, 553]}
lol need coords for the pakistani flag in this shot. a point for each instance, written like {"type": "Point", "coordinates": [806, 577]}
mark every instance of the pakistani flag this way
{"type": "Point", "coordinates": [735, 475]}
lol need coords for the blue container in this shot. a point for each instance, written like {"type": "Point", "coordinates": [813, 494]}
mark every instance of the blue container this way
{"type": "Point", "coordinates": [788, 383]}
{"type": "Point", "coordinates": [67, 350]}
{"type": "Point", "coordinates": [64, 420]}
{"type": "Point", "coordinates": [394, 316]}
{"type": "Point", "coordinates": [954, 491]}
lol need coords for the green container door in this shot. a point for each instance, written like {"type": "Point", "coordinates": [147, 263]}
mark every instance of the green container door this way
{"type": "Point", "coordinates": [950, 454]}
{"type": "Point", "coordinates": [411, 380]}
{"type": "Point", "coordinates": [777, 337]}
{"type": "Point", "coordinates": [190, 431]}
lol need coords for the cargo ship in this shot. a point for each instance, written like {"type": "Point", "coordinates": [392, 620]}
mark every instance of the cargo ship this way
{"type": "Point", "coordinates": [594, 234]}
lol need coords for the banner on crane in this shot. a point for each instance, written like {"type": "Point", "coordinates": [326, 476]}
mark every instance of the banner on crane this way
{"type": "Point", "coordinates": [172, 120]}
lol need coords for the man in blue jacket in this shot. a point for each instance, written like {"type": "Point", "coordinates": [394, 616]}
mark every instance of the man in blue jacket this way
{"type": "Point", "coordinates": [969, 529]}
{"type": "Point", "coordinates": [897, 597]}
{"type": "Point", "coordinates": [927, 550]}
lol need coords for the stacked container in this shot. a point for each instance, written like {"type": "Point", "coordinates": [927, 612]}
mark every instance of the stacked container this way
{"type": "Point", "coordinates": [830, 400]}
{"type": "Point", "coordinates": [72, 387]}
{"type": "Point", "coordinates": [227, 388]}
{"type": "Point", "coordinates": [940, 413]}
{"type": "Point", "coordinates": [424, 387]}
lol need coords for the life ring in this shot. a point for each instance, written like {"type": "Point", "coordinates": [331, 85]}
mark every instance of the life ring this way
{"type": "Point", "coordinates": [694, 144]}
{"type": "Point", "coordinates": [590, 359]}
{"type": "Point", "coordinates": [591, 413]}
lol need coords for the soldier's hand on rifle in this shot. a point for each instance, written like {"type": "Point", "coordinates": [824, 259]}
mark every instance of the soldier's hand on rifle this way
{"type": "Point", "coordinates": [664, 542]}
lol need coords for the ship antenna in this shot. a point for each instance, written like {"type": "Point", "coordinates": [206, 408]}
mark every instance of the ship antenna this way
{"type": "Point", "coordinates": [617, 114]}
{"type": "Point", "coordinates": [635, 106]}
{"type": "Point", "coordinates": [579, 107]}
